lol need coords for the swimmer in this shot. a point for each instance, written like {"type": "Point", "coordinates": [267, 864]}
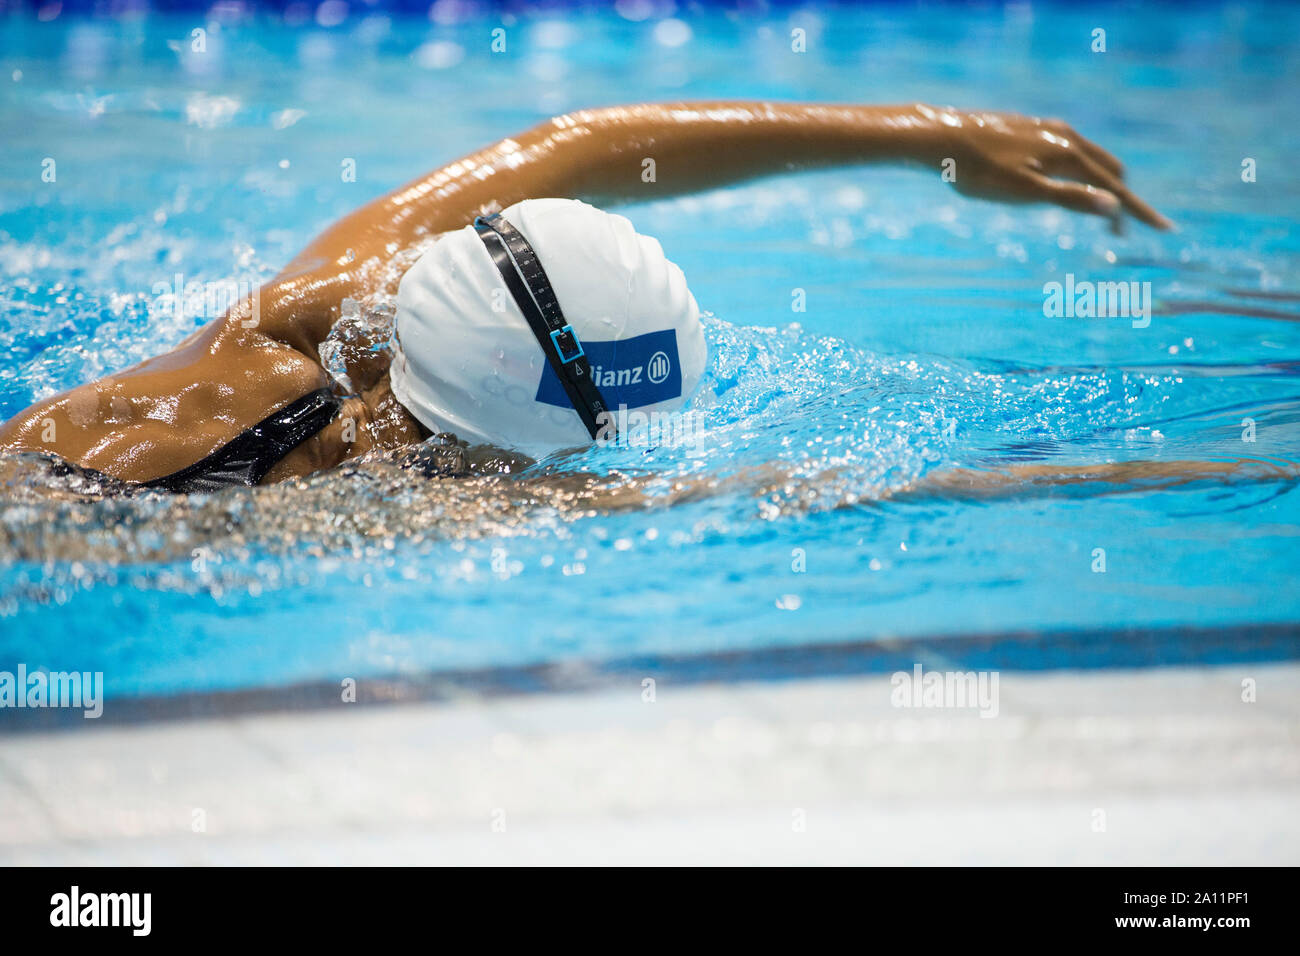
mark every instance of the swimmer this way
{"type": "Point", "coordinates": [526, 322]}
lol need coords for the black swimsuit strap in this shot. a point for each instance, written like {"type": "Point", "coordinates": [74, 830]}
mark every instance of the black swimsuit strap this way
{"type": "Point", "coordinates": [246, 458]}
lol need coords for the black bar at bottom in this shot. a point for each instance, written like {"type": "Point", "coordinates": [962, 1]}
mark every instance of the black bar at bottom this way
{"type": "Point", "coordinates": [933, 908]}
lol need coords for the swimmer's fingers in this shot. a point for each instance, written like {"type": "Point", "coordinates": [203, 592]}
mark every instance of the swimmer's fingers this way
{"type": "Point", "coordinates": [1103, 158]}
{"type": "Point", "coordinates": [1079, 197]}
{"type": "Point", "coordinates": [1137, 207]}
{"type": "Point", "coordinates": [1083, 167]}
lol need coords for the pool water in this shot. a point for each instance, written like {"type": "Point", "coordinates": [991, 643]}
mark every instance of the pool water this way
{"type": "Point", "coordinates": [923, 344]}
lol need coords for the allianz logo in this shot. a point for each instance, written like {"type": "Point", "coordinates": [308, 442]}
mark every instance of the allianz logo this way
{"type": "Point", "coordinates": [655, 371]}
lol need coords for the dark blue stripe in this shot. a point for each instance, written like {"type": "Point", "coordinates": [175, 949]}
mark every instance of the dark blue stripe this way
{"type": "Point", "coordinates": [1129, 648]}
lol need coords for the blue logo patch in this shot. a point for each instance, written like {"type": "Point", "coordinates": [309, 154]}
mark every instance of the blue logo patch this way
{"type": "Point", "coordinates": [633, 372]}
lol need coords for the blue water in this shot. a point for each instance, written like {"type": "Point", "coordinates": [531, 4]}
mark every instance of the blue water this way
{"type": "Point", "coordinates": [923, 308]}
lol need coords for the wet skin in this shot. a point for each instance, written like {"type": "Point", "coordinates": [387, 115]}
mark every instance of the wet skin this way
{"type": "Point", "coordinates": [168, 412]}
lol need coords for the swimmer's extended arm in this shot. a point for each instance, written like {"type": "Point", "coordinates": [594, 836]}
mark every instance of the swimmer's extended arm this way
{"type": "Point", "coordinates": [653, 150]}
{"type": "Point", "coordinates": [1010, 482]}
{"type": "Point", "coordinates": [168, 412]}
{"type": "Point", "coordinates": [1018, 481]}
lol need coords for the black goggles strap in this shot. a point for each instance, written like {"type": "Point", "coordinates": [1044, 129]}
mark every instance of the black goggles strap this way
{"type": "Point", "coordinates": [532, 292]}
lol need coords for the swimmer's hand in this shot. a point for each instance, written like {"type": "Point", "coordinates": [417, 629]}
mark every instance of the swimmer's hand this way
{"type": "Point", "coordinates": [1015, 158]}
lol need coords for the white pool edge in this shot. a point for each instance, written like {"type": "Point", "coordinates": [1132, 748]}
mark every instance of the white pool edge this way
{"type": "Point", "coordinates": [1159, 766]}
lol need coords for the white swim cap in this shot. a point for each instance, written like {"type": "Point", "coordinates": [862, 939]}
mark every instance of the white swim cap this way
{"type": "Point", "coordinates": [467, 361]}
